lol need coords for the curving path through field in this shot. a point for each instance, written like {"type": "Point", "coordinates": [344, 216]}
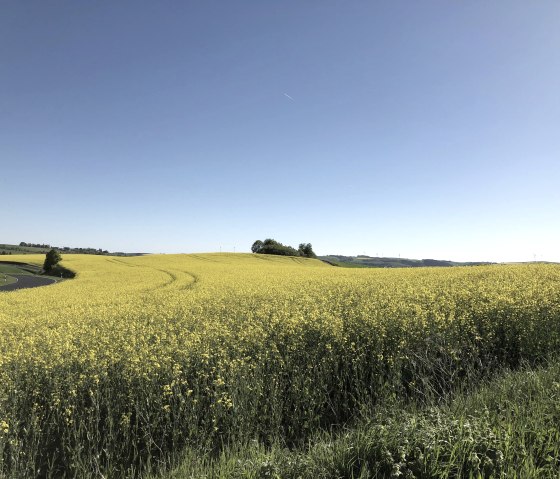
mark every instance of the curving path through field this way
{"type": "Point", "coordinates": [26, 281]}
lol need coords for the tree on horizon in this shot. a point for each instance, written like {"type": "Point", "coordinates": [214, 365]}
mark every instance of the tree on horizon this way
{"type": "Point", "coordinates": [271, 246]}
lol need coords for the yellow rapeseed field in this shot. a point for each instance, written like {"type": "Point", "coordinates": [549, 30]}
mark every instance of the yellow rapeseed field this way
{"type": "Point", "coordinates": [135, 358]}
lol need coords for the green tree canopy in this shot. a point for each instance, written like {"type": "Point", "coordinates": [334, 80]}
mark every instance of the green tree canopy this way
{"type": "Point", "coordinates": [257, 246]}
{"type": "Point", "coordinates": [270, 246]}
{"type": "Point", "coordinates": [305, 249]}
{"type": "Point", "coordinates": [52, 258]}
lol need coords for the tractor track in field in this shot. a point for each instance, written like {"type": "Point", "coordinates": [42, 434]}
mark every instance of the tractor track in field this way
{"type": "Point", "coordinates": [173, 275]}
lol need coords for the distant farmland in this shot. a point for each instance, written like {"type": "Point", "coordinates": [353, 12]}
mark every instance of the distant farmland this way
{"type": "Point", "coordinates": [388, 262]}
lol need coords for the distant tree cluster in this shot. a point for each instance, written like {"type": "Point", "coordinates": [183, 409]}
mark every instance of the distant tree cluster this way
{"type": "Point", "coordinates": [34, 245]}
{"type": "Point", "coordinates": [5, 252]}
{"type": "Point", "coordinates": [67, 249]}
{"type": "Point", "coordinates": [270, 246]}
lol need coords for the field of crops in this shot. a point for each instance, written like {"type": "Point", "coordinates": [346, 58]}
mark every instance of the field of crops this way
{"type": "Point", "coordinates": [109, 374]}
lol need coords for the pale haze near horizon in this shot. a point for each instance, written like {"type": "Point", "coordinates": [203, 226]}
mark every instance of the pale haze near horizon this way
{"type": "Point", "coordinates": [419, 129]}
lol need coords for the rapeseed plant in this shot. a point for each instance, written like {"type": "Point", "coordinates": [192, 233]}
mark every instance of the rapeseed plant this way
{"type": "Point", "coordinates": [136, 358]}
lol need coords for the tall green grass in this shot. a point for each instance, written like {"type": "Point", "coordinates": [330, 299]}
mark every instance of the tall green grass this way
{"type": "Point", "coordinates": [509, 428]}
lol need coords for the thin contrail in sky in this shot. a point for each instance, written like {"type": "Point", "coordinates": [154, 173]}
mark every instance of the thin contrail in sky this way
{"type": "Point", "coordinates": [286, 95]}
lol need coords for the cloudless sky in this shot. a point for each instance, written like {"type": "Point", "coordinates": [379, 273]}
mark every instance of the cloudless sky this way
{"type": "Point", "coordinates": [427, 129]}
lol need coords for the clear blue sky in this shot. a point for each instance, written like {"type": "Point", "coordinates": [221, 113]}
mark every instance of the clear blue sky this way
{"type": "Point", "coordinates": [427, 129]}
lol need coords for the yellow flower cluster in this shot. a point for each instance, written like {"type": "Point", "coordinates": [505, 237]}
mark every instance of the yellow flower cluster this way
{"type": "Point", "coordinates": [142, 354]}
